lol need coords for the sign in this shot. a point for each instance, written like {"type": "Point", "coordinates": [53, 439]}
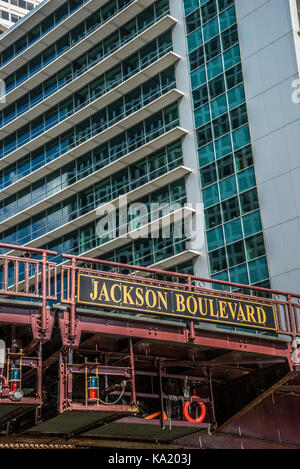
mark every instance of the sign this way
{"type": "Point", "coordinates": [144, 298]}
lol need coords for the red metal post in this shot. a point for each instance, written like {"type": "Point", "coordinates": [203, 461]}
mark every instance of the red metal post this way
{"type": "Point", "coordinates": [191, 324]}
{"type": "Point", "coordinates": [73, 299]}
{"type": "Point", "coordinates": [62, 383]}
{"type": "Point", "coordinates": [133, 391]}
{"type": "Point", "coordinates": [39, 391]}
{"type": "Point", "coordinates": [161, 393]}
{"type": "Point", "coordinates": [292, 315]}
{"type": "Point", "coordinates": [44, 292]}
{"type": "Point", "coordinates": [69, 378]}
{"type": "Point", "coordinates": [5, 275]}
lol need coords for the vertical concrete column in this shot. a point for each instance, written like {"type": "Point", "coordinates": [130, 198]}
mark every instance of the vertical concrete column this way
{"type": "Point", "coordinates": [190, 157]}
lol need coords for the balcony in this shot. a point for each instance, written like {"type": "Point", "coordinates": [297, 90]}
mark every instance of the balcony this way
{"type": "Point", "coordinates": [113, 91]}
{"type": "Point", "coordinates": [168, 263]}
{"type": "Point", "coordinates": [49, 37]}
{"type": "Point", "coordinates": [111, 167]}
{"type": "Point", "coordinates": [97, 136]}
{"type": "Point", "coordinates": [122, 50]}
{"type": "Point", "coordinates": [82, 220]}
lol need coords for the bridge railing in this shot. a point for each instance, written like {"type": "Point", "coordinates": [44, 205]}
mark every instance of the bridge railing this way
{"type": "Point", "coordinates": [286, 304]}
{"type": "Point", "coordinates": [28, 274]}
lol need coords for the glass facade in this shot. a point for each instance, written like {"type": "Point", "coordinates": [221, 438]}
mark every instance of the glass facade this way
{"type": "Point", "coordinates": [144, 251]}
{"type": "Point", "coordinates": [90, 92]}
{"type": "Point", "coordinates": [232, 216]}
{"type": "Point", "coordinates": [83, 202]}
{"type": "Point", "coordinates": [27, 174]}
{"type": "Point", "coordinates": [99, 121]}
{"type": "Point", "coordinates": [95, 54]}
{"type": "Point", "coordinates": [126, 142]}
{"type": "Point", "coordinates": [49, 23]}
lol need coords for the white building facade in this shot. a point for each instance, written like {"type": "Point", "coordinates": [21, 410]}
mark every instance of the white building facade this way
{"type": "Point", "coordinates": [270, 50]}
{"type": "Point", "coordinates": [11, 11]}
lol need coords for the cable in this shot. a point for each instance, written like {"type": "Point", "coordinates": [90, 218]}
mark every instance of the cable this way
{"type": "Point", "coordinates": [123, 385]}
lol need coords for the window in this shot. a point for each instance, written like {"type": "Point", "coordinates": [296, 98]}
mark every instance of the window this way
{"type": "Point", "coordinates": [193, 21]}
{"type": "Point", "coordinates": [210, 195]}
{"type": "Point", "coordinates": [227, 187]}
{"type": "Point", "coordinates": [14, 18]}
{"type": "Point", "coordinates": [238, 116]}
{"type": "Point", "coordinates": [4, 15]}
{"type": "Point", "coordinates": [243, 158]}
{"type": "Point", "coordinates": [225, 167]}
{"type": "Point", "coordinates": [218, 260]}
{"type": "Point", "coordinates": [200, 96]}
{"type": "Point", "coordinates": [255, 247]}
{"type": "Point", "coordinates": [234, 76]}
{"type": "Point", "coordinates": [208, 175]}
{"type": "Point", "coordinates": [252, 223]}
{"type": "Point", "coordinates": [212, 48]}
{"type": "Point", "coordinates": [216, 87]}
{"type": "Point", "coordinates": [229, 37]}
{"type": "Point", "coordinates": [204, 135]}
{"type": "Point", "coordinates": [196, 58]}
{"type": "Point", "coordinates": [236, 254]}
{"type": "Point", "coordinates": [215, 238]}
{"type": "Point", "coordinates": [213, 216]}
{"type": "Point", "coordinates": [249, 201]}
{"type": "Point", "coordinates": [221, 126]}
{"type": "Point", "coordinates": [233, 231]}
{"type": "Point", "coordinates": [209, 10]}
{"type": "Point", "coordinates": [230, 209]}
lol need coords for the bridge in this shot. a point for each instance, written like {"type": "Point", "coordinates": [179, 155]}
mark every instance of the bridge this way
{"type": "Point", "coordinates": [98, 352]}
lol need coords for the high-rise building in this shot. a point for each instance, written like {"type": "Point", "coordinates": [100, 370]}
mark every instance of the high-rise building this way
{"type": "Point", "coordinates": [11, 11]}
{"type": "Point", "coordinates": [166, 101]}
{"type": "Point", "coordinates": [270, 51]}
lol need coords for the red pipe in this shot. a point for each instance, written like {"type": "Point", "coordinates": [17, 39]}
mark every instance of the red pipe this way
{"type": "Point", "coordinates": [27, 249]}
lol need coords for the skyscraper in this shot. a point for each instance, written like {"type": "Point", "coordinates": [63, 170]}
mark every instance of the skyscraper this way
{"type": "Point", "coordinates": [159, 101]}
{"type": "Point", "coordinates": [270, 47]}
{"type": "Point", "coordinates": [11, 11]}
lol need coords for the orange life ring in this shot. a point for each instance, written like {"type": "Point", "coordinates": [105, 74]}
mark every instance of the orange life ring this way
{"type": "Point", "coordinates": [186, 411]}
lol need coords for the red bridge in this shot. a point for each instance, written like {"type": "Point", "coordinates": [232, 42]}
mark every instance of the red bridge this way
{"type": "Point", "coordinates": [93, 374]}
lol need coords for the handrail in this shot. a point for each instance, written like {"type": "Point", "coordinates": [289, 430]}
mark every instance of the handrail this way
{"type": "Point", "coordinates": [113, 49]}
{"type": "Point", "coordinates": [286, 304]}
{"type": "Point", "coordinates": [93, 131]}
{"type": "Point", "coordinates": [144, 64]}
{"type": "Point", "coordinates": [136, 144]}
{"type": "Point", "coordinates": [27, 249]}
{"type": "Point", "coordinates": [178, 274]}
{"type": "Point", "coordinates": [33, 274]}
